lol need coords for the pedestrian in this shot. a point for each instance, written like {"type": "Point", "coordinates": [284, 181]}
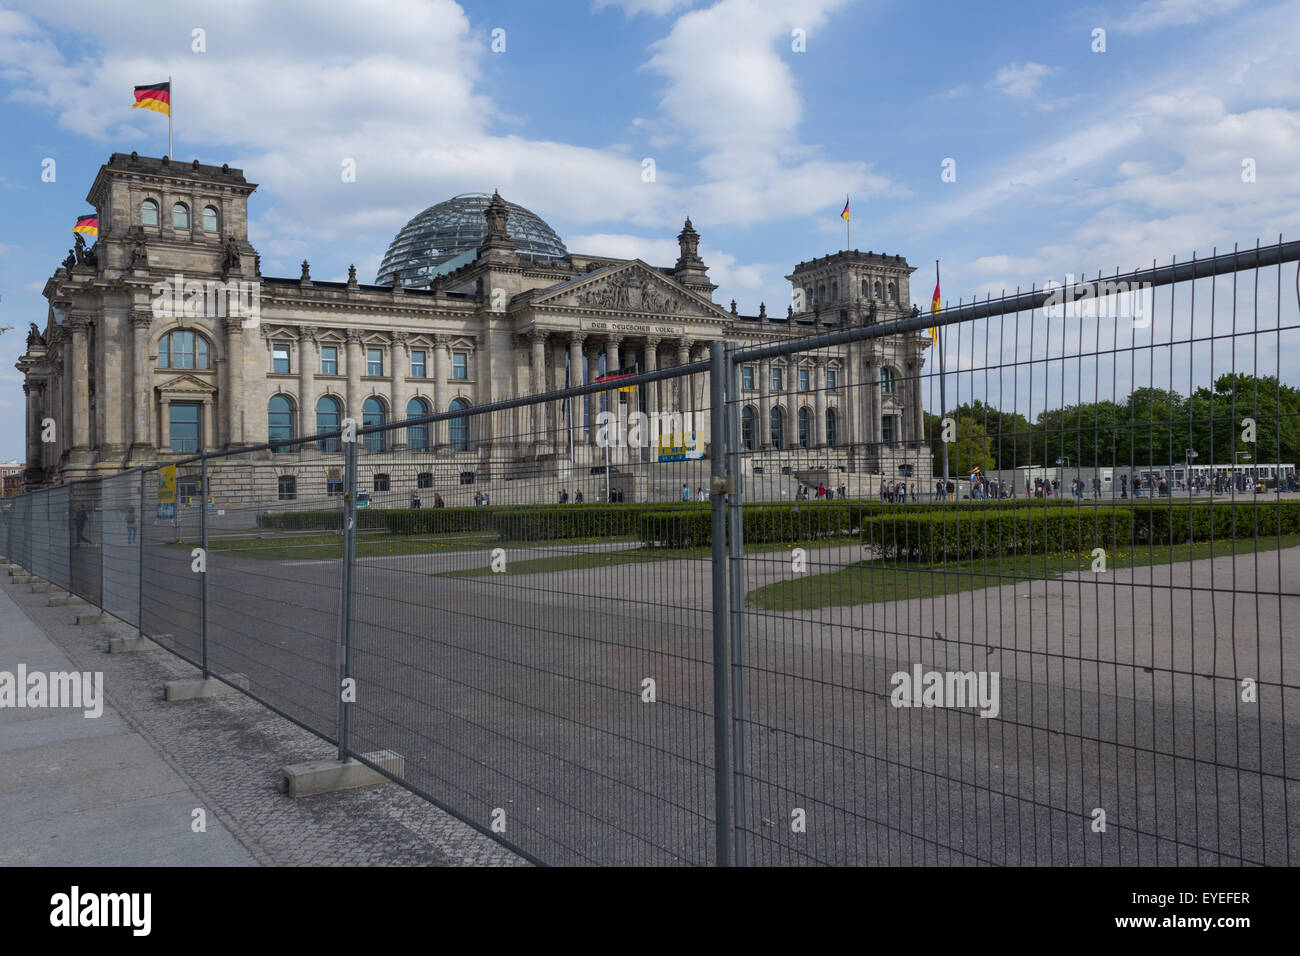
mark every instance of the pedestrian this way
{"type": "Point", "coordinates": [415, 499]}
{"type": "Point", "coordinates": [577, 497]}
{"type": "Point", "coordinates": [80, 520]}
{"type": "Point", "coordinates": [686, 492]}
{"type": "Point", "coordinates": [437, 501]}
{"type": "Point", "coordinates": [131, 521]}
{"type": "Point", "coordinates": [564, 496]}
{"type": "Point", "coordinates": [1123, 486]}
{"type": "Point", "coordinates": [821, 491]}
{"type": "Point", "coordinates": [699, 494]}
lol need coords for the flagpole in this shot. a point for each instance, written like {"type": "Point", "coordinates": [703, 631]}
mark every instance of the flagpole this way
{"type": "Point", "coordinates": [943, 399]}
{"type": "Point", "coordinates": [171, 108]}
{"type": "Point", "coordinates": [848, 244]}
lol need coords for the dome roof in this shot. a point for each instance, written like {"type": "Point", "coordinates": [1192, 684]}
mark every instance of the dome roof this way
{"type": "Point", "coordinates": [455, 228]}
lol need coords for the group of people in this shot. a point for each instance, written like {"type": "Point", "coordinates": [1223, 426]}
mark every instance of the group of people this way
{"type": "Point", "coordinates": [896, 492]}
{"type": "Point", "coordinates": [564, 496]}
{"type": "Point", "coordinates": [437, 500]}
{"type": "Point", "coordinates": [700, 493]}
{"type": "Point", "coordinates": [822, 493]}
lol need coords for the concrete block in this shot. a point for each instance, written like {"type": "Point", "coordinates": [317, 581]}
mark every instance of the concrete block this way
{"type": "Point", "coordinates": [326, 776]}
{"type": "Point", "coordinates": [65, 600]}
{"type": "Point", "coordinates": [133, 645]}
{"type": "Point", "coordinates": [94, 617]}
{"type": "Point", "coordinates": [200, 688]}
{"type": "Point", "coordinates": [25, 579]}
{"type": "Point", "coordinates": [42, 588]}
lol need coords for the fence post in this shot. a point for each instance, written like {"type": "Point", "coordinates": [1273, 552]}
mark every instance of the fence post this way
{"type": "Point", "coordinates": [721, 648]}
{"type": "Point", "coordinates": [139, 542]}
{"type": "Point", "coordinates": [736, 567]}
{"type": "Point", "coordinates": [203, 523]}
{"type": "Point", "coordinates": [345, 601]}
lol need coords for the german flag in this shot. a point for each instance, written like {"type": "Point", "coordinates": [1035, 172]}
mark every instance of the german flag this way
{"type": "Point", "coordinates": [156, 96]}
{"type": "Point", "coordinates": [612, 377]}
{"type": "Point", "coordinates": [934, 307]}
{"type": "Point", "coordinates": [87, 225]}
{"type": "Point", "coordinates": [845, 214]}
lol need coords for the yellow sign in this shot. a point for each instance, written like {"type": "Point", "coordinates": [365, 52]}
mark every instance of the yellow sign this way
{"type": "Point", "coordinates": [167, 485]}
{"type": "Point", "coordinates": [680, 446]}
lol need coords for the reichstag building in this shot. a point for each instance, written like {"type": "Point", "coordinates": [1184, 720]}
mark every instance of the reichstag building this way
{"type": "Point", "coordinates": [164, 337]}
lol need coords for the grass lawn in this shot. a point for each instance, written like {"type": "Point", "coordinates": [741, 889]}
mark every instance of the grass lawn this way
{"type": "Point", "coordinates": [867, 582]}
{"type": "Point", "coordinates": [282, 546]}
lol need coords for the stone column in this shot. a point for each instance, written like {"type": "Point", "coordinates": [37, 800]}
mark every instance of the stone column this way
{"type": "Point", "coordinates": [397, 372]}
{"type": "Point", "coordinates": [537, 339]}
{"type": "Point", "coordinates": [441, 369]}
{"type": "Point", "coordinates": [612, 364]}
{"type": "Point", "coordinates": [308, 362]}
{"type": "Point", "coordinates": [592, 399]}
{"type": "Point", "coordinates": [575, 379]}
{"type": "Point", "coordinates": [141, 383]}
{"type": "Point", "coordinates": [652, 365]}
{"type": "Point", "coordinates": [918, 409]}
{"type": "Point", "coordinates": [683, 381]}
{"type": "Point", "coordinates": [792, 402]}
{"type": "Point", "coordinates": [165, 425]}
{"type": "Point", "coordinates": [80, 379]}
{"type": "Point", "coordinates": [109, 381]}
{"type": "Point", "coordinates": [356, 362]}
{"type": "Point", "coordinates": [845, 405]}
{"type": "Point", "coordinates": [33, 426]}
{"type": "Point", "coordinates": [763, 436]}
{"type": "Point", "coordinates": [206, 439]}
{"type": "Point", "coordinates": [234, 396]}
{"type": "Point", "coordinates": [819, 401]}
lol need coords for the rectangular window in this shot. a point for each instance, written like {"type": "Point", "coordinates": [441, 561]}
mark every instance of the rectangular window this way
{"type": "Point", "coordinates": [280, 358]}
{"type": "Point", "coordinates": [747, 376]}
{"type": "Point", "coordinates": [183, 426]}
{"type": "Point", "coordinates": [417, 364]}
{"type": "Point", "coordinates": [460, 365]}
{"type": "Point", "coordinates": [374, 361]}
{"type": "Point", "coordinates": [803, 380]}
{"type": "Point", "coordinates": [776, 379]}
{"type": "Point", "coordinates": [830, 378]}
{"type": "Point", "coordinates": [329, 359]}
{"type": "Point", "coordinates": [887, 429]}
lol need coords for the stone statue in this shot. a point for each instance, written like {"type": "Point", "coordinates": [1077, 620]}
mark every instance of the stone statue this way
{"type": "Point", "coordinates": [352, 275]}
{"type": "Point", "coordinates": [306, 272]}
{"type": "Point", "coordinates": [71, 261]}
{"type": "Point", "coordinates": [871, 314]}
{"type": "Point", "coordinates": [79, 248]}
{"type": "Point", "coordinates": [789, 311]}
{"type": "Point", "coordinates": [34, 338]}
{"type": "Point", "coordinates": [230, 261]}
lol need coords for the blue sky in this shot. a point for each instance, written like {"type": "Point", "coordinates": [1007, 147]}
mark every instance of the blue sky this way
{"type": "Point", "coordinates": [1066, 159]}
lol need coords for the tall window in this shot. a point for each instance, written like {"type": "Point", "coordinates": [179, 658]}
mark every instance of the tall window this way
{"type": "Point", "coordinates": [835, 291]}
{"type": "Point", "coordinates": [777, 379]}
{"type": "Point", "coordinates": [778, 428]}
{"type": "Point", "coordinates": [830, 379]}
{"type": "Point", "coordinates": [280, 358]}
{"type": "Point", "coordinates": [887, 429]}
{"type": "Point", "coordinates": [287, 487]}
{"type": "Point", "coordinates": [329, 359]}
{"type": "Point", "coordinates": [866, 292]}
{"type": "Point", "coordinates": [149, 213]}
{"type": "Point", "coordinates": [184, 349]}
{"type": "Point", "coordinates": [887, 380]}
{"type": "Point", "coordinates": [180, 216]}
{"type": "Point", "coordinates": [374, 361]}
{"type": "Point", "coordinates": [417, 363]}
{"type": "Point", "coordinates": [747, 417]}
{"type": "Point", "coordinates": [803, 380]}
{"type": "Point", "coordinates": [891, 292]}
{"type": "Point", "coordinates": [830, 427]}
{"type": "Point", "coordinates": [460, 365]}
{"type": "Point", "coordinates": [372, 413]}
{"type": "Point", "coordinates": [424, 479]}
{"type": "Point", "coordinates": [279, 422]}
{"type": "Point", "coordinates": [210, 219]}
{"type": "Point", "coordinates": [329, 416]}
{"type": "Point", "coordinates": [417, 436]}
{"type": "Point", "coordinates": [747, 376]}
{"type": "Point", "coordinates": [183, 426]}
{"type": "Point", "coordinates": [805, 428]}
{"type": "Point", "coordinates": [458, 428]}
{"type": "Point", "coordinates": [383, 483]}
{"type": "Point", "coordinates": [876, 291]}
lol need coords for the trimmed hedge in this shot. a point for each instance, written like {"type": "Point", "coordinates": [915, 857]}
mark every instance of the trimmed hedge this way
{"type": "Point", "coordinates": [682, 529]}
{"type": "Point", "coordinates": [332, 520]}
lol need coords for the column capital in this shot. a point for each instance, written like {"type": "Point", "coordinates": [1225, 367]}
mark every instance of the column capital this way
{"type": "Point", "coordinates": [354, 336]}
{"type": "Point", "coordinates": [232, 324]}
{"type": "Point", "coordinates": [441, 339]}
{"type": "Point", "coordinates": [653, 341]}
{"type": "Point", "coordinates": [77, 321]}
{"type": "Point", "coordinates": [685, 344]}
{"type": "Point", "coordinates": [577, 338]}
{"type": "Point", "coordinates": [308, 333]}
{"type": "Point", "coordinates": [400, 337]}
{"type": "Point", "coordinates": [141, 319]}
{"type": "Point", "coordinates": [614, 339]}
{"type": "Point", "coordinates": [536, 335]}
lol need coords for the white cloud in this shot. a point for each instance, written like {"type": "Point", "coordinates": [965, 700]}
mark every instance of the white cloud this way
{"type": "Point", "coordinates": [1157, 14]}
{"type": "Point", "coordinates": [1021, 80]}
{"type": "Point", "coordinates": [656, 8]}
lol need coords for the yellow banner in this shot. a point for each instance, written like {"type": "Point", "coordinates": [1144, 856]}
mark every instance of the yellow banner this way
{"type": "Point", "coordinates": [167, 485]}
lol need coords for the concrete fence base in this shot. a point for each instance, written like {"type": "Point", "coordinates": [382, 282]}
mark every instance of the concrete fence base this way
{"type": "Point", "coordinates": [326, 776]}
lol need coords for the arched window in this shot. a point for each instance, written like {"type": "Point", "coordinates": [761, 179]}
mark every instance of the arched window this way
{"type": "Point", "coordinates": [876, 290]}
{"type": "Point", "coordinates": [892, 292]}
{"type": "Point", "coordinates": [866, 292]}
{"type": "Point", "coordinates": [747, 416]}
{"type": "Point", "coordinates": [417, 436]}
{"type": "Point", "coordinates": [149, 213]}
{"type": "Point", "coordinates": [287, 487]}
{"type": "Point", "coordinates": [329, 416]}
{"type": "Point", "coordinates": [211, 221]}
{"type": "Point", "coordinates": [778, 428]}
{"type": "Point", "coordinates": [184, 348]}
{"type": "Point", "coordinates": [821, 294]}
{"type": "Point", "coordinates": [805, 428]}
{"type": "Point", "coordinates": [830, 427]}
{"type": "Point", "coordinates": [458, 428]}
{"type": "Point", "coordinates": [279, 422]}
{"type": "Point", "coordinates": [886, 380]}
{"type": "Point", "coordinates": [372, 413]}
{"type": "Point", "coordinates": [835, 291]}
{"type": "Point", "coordinates": [180, 216]}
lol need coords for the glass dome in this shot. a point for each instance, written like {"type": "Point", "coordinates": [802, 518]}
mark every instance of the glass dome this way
{"type": "Point", "coordinates": [453, 230]}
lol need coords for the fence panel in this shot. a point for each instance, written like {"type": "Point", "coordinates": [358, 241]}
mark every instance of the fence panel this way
{"type": "Point", "coordinates": [120, 532]}
{"type": "Point", "coordinates": [171, 600]}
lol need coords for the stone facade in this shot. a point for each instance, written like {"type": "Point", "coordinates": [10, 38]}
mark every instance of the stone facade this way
{"type": "Point", "coordinates": [165, 337]}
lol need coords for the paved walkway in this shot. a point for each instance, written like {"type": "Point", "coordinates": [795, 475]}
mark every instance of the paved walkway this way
{"type": "Point", "coordinates": [91, 791]}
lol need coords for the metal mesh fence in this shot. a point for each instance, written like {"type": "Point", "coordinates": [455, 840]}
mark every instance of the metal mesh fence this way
{"type": "Point", "coordinates": [1014, 596]}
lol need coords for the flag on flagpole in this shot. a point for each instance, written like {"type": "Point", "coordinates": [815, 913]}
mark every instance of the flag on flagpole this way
{"type": "Point", "coordinates": [155, 96]}
{"type": "Point", "coordinates": [845, 214]}
{"type": "Point", "coordinates": [934, 307]}
{"type": "Point", "coordinates": [87, 225]}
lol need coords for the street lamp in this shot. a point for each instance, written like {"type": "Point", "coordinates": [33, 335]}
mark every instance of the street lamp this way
{"type": "Point", "coordinates": [1192, 455]}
